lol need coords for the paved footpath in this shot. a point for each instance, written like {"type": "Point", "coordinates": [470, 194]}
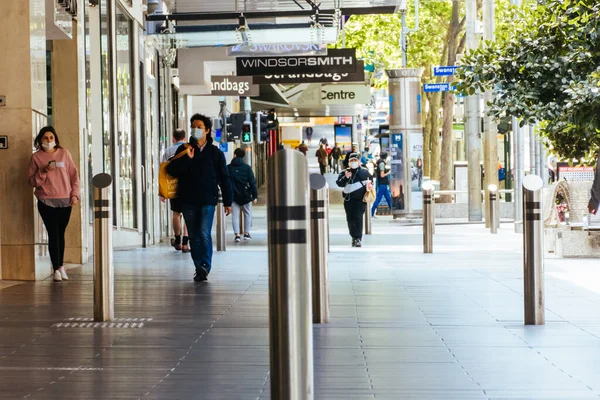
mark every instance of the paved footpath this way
{"type": "Point", "coordinates": [445, 326]}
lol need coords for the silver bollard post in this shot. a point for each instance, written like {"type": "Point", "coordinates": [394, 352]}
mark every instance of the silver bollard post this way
{"type": "Point", "coordinates": [368, 219]}
{"type": "Point", "coordinates": [493, 204]}
{"type": "Point", "coordinates": [104, 279]}
{"type": "Point", "coordinates": [427, 189]}
{"type": "Point", "coordinates": [319, 245]}
{"type": "Point", "coordinates": [533, 254]}
{"type": "Point", "coordinates": [290, 298]}
{"type": "Point", "coordinates": [221, 246]}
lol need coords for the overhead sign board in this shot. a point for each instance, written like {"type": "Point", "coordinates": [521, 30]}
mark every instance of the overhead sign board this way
{"type": "Point", "coordinates": [326, 77]}
{"type": "Point", "coordinates": [336, 60]}
{"type": "Point", "coordinates": [269, 50]}
{"type": "Point", "coordinates": [444, 71]}
{"type": "Point", "coordinates": [345, 94]}
{"type": "Point", "coordinates": [226, 85]}
{"type": "Point", "coordinates": [437, 87]}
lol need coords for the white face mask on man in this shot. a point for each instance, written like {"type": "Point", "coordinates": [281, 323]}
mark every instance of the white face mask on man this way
{"type": "Point", "coordinates": [198, 133]}
{"type": "Point", "coordinates": [49, 146]}
{"type": "Point", "coordinates": [354, 164]}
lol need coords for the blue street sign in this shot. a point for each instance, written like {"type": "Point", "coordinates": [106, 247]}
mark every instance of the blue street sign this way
{"type": "Point", "coordinates": [436, 87]}
{"type": "Point", "coordinates": [419, 103]}
{"type": "Point", "coordinates": [224, 147]}
{"type": "Point", "coordinates": [444, 71]}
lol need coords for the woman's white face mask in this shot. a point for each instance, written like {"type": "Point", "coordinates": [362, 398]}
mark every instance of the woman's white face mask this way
{"type": "Point", "coordinates": [49, 146]}
{"type": "Point", "coordinates": [354, 164]}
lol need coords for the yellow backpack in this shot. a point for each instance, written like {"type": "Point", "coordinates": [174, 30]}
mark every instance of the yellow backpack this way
{"type": "Point", "coordinates": [167, 185]}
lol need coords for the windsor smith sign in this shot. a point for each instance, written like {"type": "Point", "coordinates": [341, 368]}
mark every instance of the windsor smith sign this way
{"type": "Point", "coordinates": [336, 60]}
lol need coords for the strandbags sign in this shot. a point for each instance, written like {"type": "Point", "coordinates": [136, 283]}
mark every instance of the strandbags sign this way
{"type": "Point", "coordinates": [336, 60]}
{"type": "Point", "coordinates": [226, 85]}
{"type": "Point", "coordinates": [327, 77]}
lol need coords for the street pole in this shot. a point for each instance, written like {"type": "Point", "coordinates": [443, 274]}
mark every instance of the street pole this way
{"type": "Point", "coordinates": [403, 39]}
{"type": "Point", "coordinates": [532, 150]}
{"type": "Point", "coordinates": [490, 150]}
{"type": "Point", "coordinates": [473, 126]}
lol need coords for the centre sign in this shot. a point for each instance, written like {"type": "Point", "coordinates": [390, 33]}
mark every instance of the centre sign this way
{"type": "Point", "coordinates": [336, 60]}
{"type": "Point", "coordinates": [345, 94]}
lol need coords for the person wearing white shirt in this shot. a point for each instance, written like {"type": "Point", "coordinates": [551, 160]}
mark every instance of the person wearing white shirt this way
{"type": "Point", "coordinates": [179, 138]}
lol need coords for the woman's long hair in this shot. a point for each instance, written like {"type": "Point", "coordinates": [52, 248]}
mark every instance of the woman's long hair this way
{"type": "Point", "coordinates": [38, 139]}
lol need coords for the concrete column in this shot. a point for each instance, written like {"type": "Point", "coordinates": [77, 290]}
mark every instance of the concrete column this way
{"type": "Point", "coordinates": [490, 139]}
{"type": "Point", "coordinates": [67, 78]}
{"type": "Point", "coordinates": [23, 82]}
{"type": "Point", "coordinates": [405, 118]}
{"type": "Point", "coordinates": [473, 124]}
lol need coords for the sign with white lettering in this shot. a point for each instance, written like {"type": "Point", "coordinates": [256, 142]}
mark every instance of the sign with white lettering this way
{"type": "Point", "coordinates": [436, 87]}
{"type": "Point", "coordinates": [226, 85]}
{"type": "Point", "coordinates": [327, 77]}
{"type": "Point", "coordinates": [345, 94]}
{"type": "Point", "coordinates": [444, 71]}
{"type": "Point", "coordinates": [268, 50]}
{"type": "Point", "coordinates": [336, 60]}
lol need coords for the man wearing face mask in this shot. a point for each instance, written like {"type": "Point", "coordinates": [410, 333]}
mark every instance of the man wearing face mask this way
{"type": "Point", "coordinates": [200, 175]}
{"type": "Point", "coordinates": [355, 182]}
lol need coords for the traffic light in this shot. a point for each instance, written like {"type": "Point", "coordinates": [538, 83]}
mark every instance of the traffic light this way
{"type": "Point", "coordinates": [235, 125]}
{"type": "Point", "coordinates": [262, 135]}
{"type": "Point", "coordinates": [247, 132]}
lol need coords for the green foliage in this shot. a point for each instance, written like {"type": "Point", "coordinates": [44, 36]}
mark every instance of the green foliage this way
{"type": "Point", "coordinates": [545, 69]}
{"type": "Point", "coordinates": [376, 38]}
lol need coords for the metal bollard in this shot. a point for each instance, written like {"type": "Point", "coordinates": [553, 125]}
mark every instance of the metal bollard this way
{"type": "Point", "coordinates": [433, 211]}
{"type": "Point", "coordinates": [319, 245]}
{"type": "Point", "coordinates": [427, 189]}
{"type": "Point", "coordinates": [104, 279]}
{"type": "Point", "coordinates": [221, 246]}
{"type": "Point", "coordinates": [533, 254]}
{"type": "Point", "coordinates": [242, 230]}
{"type": "Point", "coordinates": [493, 204]}
{"type": "Point", "coordinates": [368, 219]}
{"type": "Point", "coordinates": [290, 306]}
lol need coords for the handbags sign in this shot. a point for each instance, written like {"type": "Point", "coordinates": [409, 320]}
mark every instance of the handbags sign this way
{"type": "Point", "coordinates": [327, 77]}
{"type": "Point", "coordinates": [233, 86]}
{"type": "Point", "coordinates": [336, 60]}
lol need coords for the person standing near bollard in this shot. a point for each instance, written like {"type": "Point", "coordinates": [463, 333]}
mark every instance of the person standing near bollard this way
{"type": "Point", "coordinates": [244, 193]}
{"type": "Point", "coordinates": [180, 244]}
{"type": "Point", "coordinates": [336, 154]}
{"type": "Point", "coordinates": [200, 175]}
{"type": "Point", "coordinates": [355, 182]}
{"type": "Point", "coordinates": [595, 192]}
{"type": "Point", "coordinates": [383, 183]}
{"type": "Point", "coordinates": [322, 156]}
{"type": "Point", "coordinates": [54, 176]}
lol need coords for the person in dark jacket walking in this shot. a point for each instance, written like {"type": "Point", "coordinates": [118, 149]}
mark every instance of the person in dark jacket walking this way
{"type": "Point", "coordinates": [244, 193]}
{"type": "Point", "coordinates": [201, 173]}
{"type": "Point", "coordinates": [355, 182]}
{"type": "Point", "coordinates": [322, 156]}
{"type": "Point", "coordinates": [383, 183]}
{"type": "Point", "coordinates": [336, 154]}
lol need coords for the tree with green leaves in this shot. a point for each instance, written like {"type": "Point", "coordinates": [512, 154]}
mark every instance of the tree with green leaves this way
{"type": "Point", "coordinates": [546, 70]}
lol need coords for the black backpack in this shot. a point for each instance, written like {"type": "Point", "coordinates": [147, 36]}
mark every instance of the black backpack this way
{"type": "Point", "coordinates": [242, 192]}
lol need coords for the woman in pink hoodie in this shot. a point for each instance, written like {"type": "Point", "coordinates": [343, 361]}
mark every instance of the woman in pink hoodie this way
{"type": "Point", "coordinates": [54, 176]}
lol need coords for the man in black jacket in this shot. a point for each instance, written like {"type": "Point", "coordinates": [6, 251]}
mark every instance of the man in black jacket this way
{"type": "Point", "coordinates": [200, 175]}
{"type": "Point", "coordinates": [244, 193]}
{"type": "Point", "coordinates": [355, 181]}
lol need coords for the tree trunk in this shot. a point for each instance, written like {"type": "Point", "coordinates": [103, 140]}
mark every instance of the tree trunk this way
{"type": "Point", "coordinates": [447, 169]}
{"type": "Point", "coordinates": [434, 132]}
{"type": "Point", "coordinates": [427, 138]}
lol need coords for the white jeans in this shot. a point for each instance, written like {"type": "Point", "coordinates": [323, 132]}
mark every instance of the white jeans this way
{"type": "Point", "coordinates": [235, 213]}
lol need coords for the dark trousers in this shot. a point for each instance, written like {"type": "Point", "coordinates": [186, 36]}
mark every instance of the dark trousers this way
{"type": "Point", "coordinates": [199, 220]}
{"type": "Point", "coordinates": [55, 221]}
{"type": "Point", "coordinates": [323, 168]}
{"type": "Point", "coordinates": [355, 210]}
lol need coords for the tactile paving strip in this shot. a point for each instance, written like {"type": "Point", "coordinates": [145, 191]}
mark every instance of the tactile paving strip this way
{"type": "Point", "coordinates": [123, 323]}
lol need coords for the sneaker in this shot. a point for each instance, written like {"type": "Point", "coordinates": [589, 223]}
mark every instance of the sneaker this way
{"type": "Point", "coordinates": [57, 276]}
{"type": "Point", "coordinates": [353, 243]}
{"type": "Point", "coordinates": [247, 236]}
{"type": "Point", "coordinates": [358, 243]}
{"type": "Point", "coordinates": [373, 216]}
{"type": "Point", "coordinates": [63, 274]}
{"type": "Point", "coordinates": [200, 275]}
{"type": "Point", "coordinates": [237, 239]}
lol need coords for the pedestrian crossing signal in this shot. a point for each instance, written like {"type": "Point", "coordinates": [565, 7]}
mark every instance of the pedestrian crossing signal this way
{"type": "Point", "coordinates": [247, 133]}
{"type": "Point", "coordinates": [246, 137]}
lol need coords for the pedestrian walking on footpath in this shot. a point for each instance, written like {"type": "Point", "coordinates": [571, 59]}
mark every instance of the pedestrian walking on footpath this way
{"type": "Point", "coordinates": [244, 193]}
{"type": "Point", "coordinates": [54, 176]}
{"type": "Point", "coordinates": [355, 182]}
